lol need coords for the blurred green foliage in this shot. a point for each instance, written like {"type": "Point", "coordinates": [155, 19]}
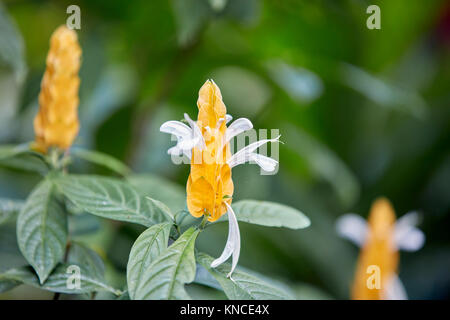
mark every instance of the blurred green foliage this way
{"type": "Point", "coordinates": [362, 112]}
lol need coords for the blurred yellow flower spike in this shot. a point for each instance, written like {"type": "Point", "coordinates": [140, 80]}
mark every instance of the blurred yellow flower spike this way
{"type": "Point", "coordinates": [56, 123]}
{"type": "Point", "coordinates": [209, 184]}
{"type": "Point", "coordinates": [206, 143]}
{"type": "Point", "coordinates": [380, 240]}
{"type": "Point", "coordinates": [379, 250]}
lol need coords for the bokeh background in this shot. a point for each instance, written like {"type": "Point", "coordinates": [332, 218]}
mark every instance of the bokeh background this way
{"type": "Point", "coordinates": [362, 113]}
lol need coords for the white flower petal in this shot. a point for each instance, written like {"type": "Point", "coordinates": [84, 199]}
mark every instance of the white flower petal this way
{"type": "Point", "coordinates": [177, 128]}
{"type": "Point", "coordinates": [352, 227]}
{"type": "Point", "coordinates": [409, 219]}
{"type": "Point", "coordinates": [395, 290]}
{"type": "Point", "coordinates": [188, 144]}
{"type": "Point", "coordinates": [406, 236]}
{"type": "Point", "coordinates": [243, 155]}
{"type": "Point", "coordinates": [187, 138]}
{"type": "Point", "coordinates": [412, 241]}
{"type": "Point", "coordinates": [184, 137]}
{"type": "Point", "coordinates": [197, 133]}
{"type": "Point", "coordinates": [219, 122]}
{"type": "Point", "coordinates": [233, 245]}
{"type": "Point", "coordinates": [266, 163]}
{"type": "Point", "coordinates": [238, 126]}
{"type": "Point", "coordinates": [174, 151]}
{"type": "Point", "coordinates": [228, 118]}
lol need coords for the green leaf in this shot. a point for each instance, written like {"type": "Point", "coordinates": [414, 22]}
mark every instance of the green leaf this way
{"type": "Point", "coordinates": [11, 46]}
{"type": "Point", "coordinates": [7, 284]}
{"type": "Point", "coordinates": [245, 90]}
{"type": "Point", "coordinates": [203, 277]}
{"type": "Point", "coordinates": [383, 93]}
{"type": "Point", "coordinates": [112, 199]}
{"type": "Point", "coordinates": [323, 163]}
{"type": "Point", "coordinates": [10, 255]}
{"type": "Point", "coordinates": [147, 247]}
{"type": "Point", "coordinates": [9, 209]}
{"type": "Point", "coordinates": [92, 272]}
{"type": "Point", "coordinates": [304, 291]}
{"type": "Point", "coordinates": [26, 162]}
{"type": "Point", "coordinates": [23, 158]}
{"type": "Point", "coordinates": [166, 276]}
{"type": "Point", "coordinates": [82, 224]}
{"type": "Point", "coordinates": [58, 280]}
{"type": "Point", "coordinates": [190, 17]}
{"type": "Point", "coordinates": [102, 159]}
{"type": "Point", "coordinates": [184, 220]}
{"type": "Point", "coordinates": [81, 255]}
{"type": "Point", "coordinates": [268, 214]}
{"type": "Point", "coordinates": [301, 84]}
{"type": "Point", "coordinates": [42, 229]}
{"type": "Point", "coordinates": [8, 151]}
{"type": "Point", "coordinates": [160, 189]}
{"type": "Point", "coordinates": [243, 286]}
{"type": "Point", "coordinates": [12, 74]}
{"type": "Point", "coordinates": [245, 12]}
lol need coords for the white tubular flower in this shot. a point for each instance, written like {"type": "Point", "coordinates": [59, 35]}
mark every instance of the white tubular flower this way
{"type": "Point", "coordinates": [187, 137]}
{"type": "Point", "coordinates": [395, 289]}
{"type": "Point", "coordinates": [233, 245]}
{"type": "Point", "coordinates": [353, 227]}
{"type": "Point", "coordinates": [406, 236]}
{"type": "Point", "coordinates": [247, 154]}
{"type": "Point", "coordinates": [238, 126]}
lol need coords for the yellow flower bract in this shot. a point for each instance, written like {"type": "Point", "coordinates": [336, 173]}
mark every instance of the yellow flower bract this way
{"type": "Point", "coordinates": [379, 250]}
{"type": "Point", "coordinates": [209, 184]}
{"type": "Point", "coordinates": [56, 123]}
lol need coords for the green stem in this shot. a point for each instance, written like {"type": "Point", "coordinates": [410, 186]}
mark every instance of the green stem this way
{"type": "Point", "coordinates": [204, 221]}
{"type": "Point", "coordinates": [178, 230]}
{"type": "Point", "coordinates": [54, 158]}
